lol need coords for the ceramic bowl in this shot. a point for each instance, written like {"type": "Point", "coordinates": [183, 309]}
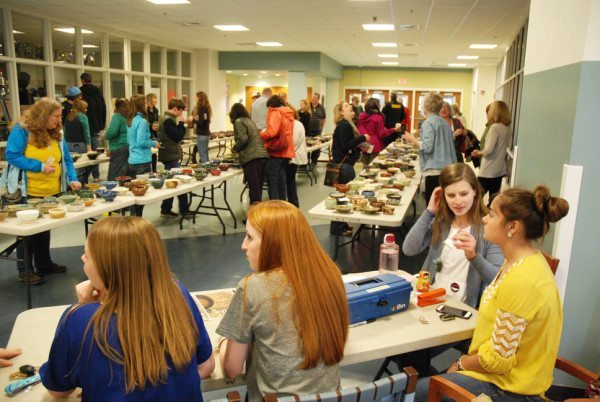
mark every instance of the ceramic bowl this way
{"type": "Point", "coordinates": [139, 190]}
{"type": "Point", "coordinates": [110, 184]}
{"type": "Point", "coordinates": [57, 213]}
{"type": "Point", "coordinates": [170, 183]}
{"type": "Point", "coordinates": [342, 188]}
{"type": "Point", "coordinates": [12, 209]}
{"type": "Point", "coordinates": [88, 202]}
{"type": "Point", "coordinates": [413, 156]}
{"type": "Point", "coordinates": [100, 150]}
{"type": "Point", "coordinates": [121, 190]}
{"type": "Point", "coordinates": [360, 204]}
{"type": "Point", "coordinates": [224, 166]}
{"type": "Point", "coordinates": [123, 179]}
{"type": "Point", "coordinates": [76, 206]}
{"type": "Point", "coordinates": [157, 183]}
{"type": "Point", "coordinates": [143, 176]}
{"type": "Point", "coordinates": [50, 199]}
{"type": "Point", "coordinates": [377, 204]}
{"type": "Point", "coordinates": [75, 157]}
{"type": "Point", "coordinates": [393, 170]}
{"type": "Point", "coordinates": [330, 203]}
{"type": "Point", "coordinates": [91, 156]}
{"type": "Point", "coordinates": [344, 209]}
{"type": "Point", "coordinates": [187, 171]}
{"type": "Point", "coordinates": [410, 174]}
{"type": "Point", "coordinates": [92, 186]}
{"type": "Point", "coordinates": [176, 170]}
{"type": "Point", "coordinates": [371, 210]}
{"type": "Point", "coordinates": [44, 207]}
{"type": "Point", "coordinates": [406, 182]}
{"type": "Point", "coordinates": [215, 172]}
{"type": "Point", "coordinates": [184, 178]}
{"type": "Point", "coordinates": [200, 175]}
{"type": "Point", "coordinates": [136, 182]}
{"type": "Point", "coordinates": [3, 215]}
{"type": "Point", "coordinates": [368, 193]}
{"type": "Point", "coordinates": [388, 210]}
{"type": "Point", "coordinates": [28, 215]}
{"type": "Point", "coordinates": [337, 194]}
{"type": "Point", "coordinates": [394, 199]}
{"type": "Point", "coordinates": [107, 195]}
{"type": "Point", "coordinates": [68, 198]}
{"type": "Point", "coordinates": [85, 193]}
{"type": "Point", "coordinates": [34, 202]}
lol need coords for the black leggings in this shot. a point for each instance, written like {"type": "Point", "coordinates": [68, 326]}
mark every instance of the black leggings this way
{"type": "Point", "coordinates": [491, 185]}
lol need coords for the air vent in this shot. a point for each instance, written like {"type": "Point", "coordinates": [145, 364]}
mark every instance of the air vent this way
{"type": "Point", "coordinates": [406, 27]}
{"type": "Point", "coordinates": [191, 24]}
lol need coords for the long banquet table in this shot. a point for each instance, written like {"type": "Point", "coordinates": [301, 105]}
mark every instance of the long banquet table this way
{"type": "Point", "coordinates": [413, 329]}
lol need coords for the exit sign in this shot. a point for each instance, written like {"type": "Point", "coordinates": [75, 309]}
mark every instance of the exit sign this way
{"type": "Point", "coordinates": [401, 81]}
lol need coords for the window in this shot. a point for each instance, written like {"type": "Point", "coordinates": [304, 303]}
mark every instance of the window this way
{"type": "Point", "coordinates": [63, 79]}
{"type": "Point", "coordinates": [28, 36]}
{"type": "Point", "coordinates": [2, 45]}
{"type": "Point", "coordinates": [92, 48]}
{"type": "Point", "coordinates": [6, 107]}
{"type": "Point", "coordinates": [137, 85]}
{"type": "Point", "coordinates": [115, 52]}
{"type": "Point", "coordinates": [186, 88]}
{"type": "Point", "coordinates": [117, 86]}
{"type": "Point", "coordinates": [32, 84]}
{"type": "Point", "coordinates": [155, 60]}
{"type": "Point", "coordinates": [171, 62]}
{"type": "Point", "coordinates": [137, 56]}
{"type": "Point", "coordinates": [63, 43]}
{"type": "Point", "coordinates": [186, 64]}
{"type": "Point", "coordinates": [171, 89]}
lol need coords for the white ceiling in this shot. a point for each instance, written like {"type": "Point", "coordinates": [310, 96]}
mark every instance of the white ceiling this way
{"type": "Point", "coordinates": [334, 27]}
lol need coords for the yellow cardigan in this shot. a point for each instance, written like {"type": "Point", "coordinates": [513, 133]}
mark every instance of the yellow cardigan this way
{"type": "Point", "coordinates": [528, 290]}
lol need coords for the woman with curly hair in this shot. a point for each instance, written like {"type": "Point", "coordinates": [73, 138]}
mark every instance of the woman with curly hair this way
{"type": "Point", "coordinates": [38, 151]}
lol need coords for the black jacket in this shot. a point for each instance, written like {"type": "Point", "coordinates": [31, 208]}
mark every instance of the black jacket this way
{"type": "Point", "coordinates": [96, 112]}
{"type": "Point", "coordinates": [394, 113]}
{"type": "Point", "coordinates": [345, 143]}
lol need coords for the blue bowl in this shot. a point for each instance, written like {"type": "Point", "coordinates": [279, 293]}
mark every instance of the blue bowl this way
{"type": "Point", "coordinates": [110, 184]}
{"type": "Point", "coordinates": [368, 193]}
{"type": "Point", "coordinates": [157, 183]}
{"type": "Point", "coordinates": [107, 195]}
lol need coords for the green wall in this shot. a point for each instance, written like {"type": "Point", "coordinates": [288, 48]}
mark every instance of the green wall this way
{"type": "Point", "coordinates": [559, 124]}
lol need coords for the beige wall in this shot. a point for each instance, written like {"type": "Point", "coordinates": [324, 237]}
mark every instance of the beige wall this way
{"type": "Point", "coordinates": [416, 79]}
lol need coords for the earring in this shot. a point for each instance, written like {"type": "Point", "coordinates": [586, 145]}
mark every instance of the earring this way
{"type": "Point", "coordinates": [509, 234]}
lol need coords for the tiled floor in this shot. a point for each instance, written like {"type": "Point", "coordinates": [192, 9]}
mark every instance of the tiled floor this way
{"type": "Point", "coordinates": [199, 256]}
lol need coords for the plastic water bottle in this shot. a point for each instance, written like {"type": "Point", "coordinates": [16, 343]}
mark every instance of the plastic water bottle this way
{"type": "Point", "coordinates": [389, 254]}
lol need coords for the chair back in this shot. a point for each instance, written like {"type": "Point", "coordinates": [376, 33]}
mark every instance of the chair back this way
{"type": "Point", "coordinates": [552, 262]}
{"type": "Point", "coordinates": [397, 388]}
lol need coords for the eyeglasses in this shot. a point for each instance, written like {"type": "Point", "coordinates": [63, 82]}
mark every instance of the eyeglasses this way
{"type": "Point", "coordinates": [55, 116]}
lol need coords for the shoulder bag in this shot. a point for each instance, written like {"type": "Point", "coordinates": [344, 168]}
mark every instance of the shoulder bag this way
{"type": "Point", "coordinates": [332, 173]}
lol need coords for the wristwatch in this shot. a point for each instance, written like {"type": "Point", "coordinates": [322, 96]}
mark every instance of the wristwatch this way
{"type": "Point", "coordinates": [458, 364]}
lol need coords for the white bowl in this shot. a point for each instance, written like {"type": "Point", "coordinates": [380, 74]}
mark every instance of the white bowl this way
{"type": "Point", "coordinates": [121, 190]}
{"type": "Point", "coordinates": [76, 206]}
{"type": "Point", "coordinates": [184, 178]}
{"type": "Point", "coordinates": [144, 176]}
{"type": "Point", "coordinates": [28, 215]}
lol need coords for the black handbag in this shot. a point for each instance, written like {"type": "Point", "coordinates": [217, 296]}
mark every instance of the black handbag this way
{"type": "Point", "coordinates": [332, 173]}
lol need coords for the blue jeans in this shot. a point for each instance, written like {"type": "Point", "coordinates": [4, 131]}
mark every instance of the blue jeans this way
{"type": "Point", "coordinates": [276, 168]}
{"type": "Point", "coordinates": [167, 204]}
{"type": "Point", "coordinates": [475, 387]}
{"type": "Point", "coordinates": [202, 141]}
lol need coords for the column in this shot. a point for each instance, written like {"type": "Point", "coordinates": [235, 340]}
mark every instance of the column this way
{"type": "Point", "coordinates": [296, 87]}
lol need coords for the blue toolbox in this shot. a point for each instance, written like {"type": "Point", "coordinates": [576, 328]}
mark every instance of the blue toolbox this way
{"type": "Point", "coordinates": [376, 297]}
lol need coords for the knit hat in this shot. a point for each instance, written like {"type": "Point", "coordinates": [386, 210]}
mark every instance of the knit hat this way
{"type": "Point", "coordinates": [73, 92]}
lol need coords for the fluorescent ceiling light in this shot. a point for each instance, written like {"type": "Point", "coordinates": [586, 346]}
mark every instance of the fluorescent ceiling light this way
{"type": "Point", "coordinates": [482, 46]}
{"type": "Point", "coordinates": [390, 63]}
{"type": "Point", "coordinates": [269, 44]}
{"type": "Point", "coordinates": [277, 75]}
{"type": "Point", "coordinates": [228, 71]}
{"type": "Point", "coordinates": [231, 27]}
{"type": "Point", "coordinates": [245, 74]}
{"type": "Point", "coordinates": [263, 72]}
{"type": "Point", "coordinates": [260, 76]}
{"type": "Point", "coordinates": [384, 44]}
{"type": "Point", "coordinates": [169, 1]}
{"type": "Point", "coordinates": [378, 27]}
{"type": "Point", "coordinates": [466, 57]}
{"type": "Point", "coordinates": [388, 55]}
{"type": "Point", "coordinates": [72, 30]}
{"type": "Point", "coordinates": [90, 46]}
{"type": "Point", "coordinates": [405, 27]}
{"type": "Point", "coordinates": [17, 32]}
{"type": "Point", "coordinates": [457, 65]}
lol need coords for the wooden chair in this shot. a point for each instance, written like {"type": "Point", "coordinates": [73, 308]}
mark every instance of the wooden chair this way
{"type": "Point", "coordinates": [553, 262]}
{"type": "Point", "coordinates": [397, 388]}
{"type": "Point", "coordinates": [440, 387]}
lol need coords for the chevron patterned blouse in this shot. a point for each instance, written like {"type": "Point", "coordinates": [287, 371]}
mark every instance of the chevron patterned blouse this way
{"type": "Point", "coordinates": [518, 328]}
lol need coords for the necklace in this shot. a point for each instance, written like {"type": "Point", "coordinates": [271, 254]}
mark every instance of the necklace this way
{"type": "Point", "coordinates": [492, 288]}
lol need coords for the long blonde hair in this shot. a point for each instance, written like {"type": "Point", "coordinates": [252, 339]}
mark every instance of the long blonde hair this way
{"type": "Point", "coordinates": [202, 103]}
{"type": "Point", "coordinates": [319, 307]}
{"type": "Point", "coordinates": [35, 120]}
{"type": "Point", "coordinates": [79, 106]}
{"type": "Point", "coordinates": [154, 321]}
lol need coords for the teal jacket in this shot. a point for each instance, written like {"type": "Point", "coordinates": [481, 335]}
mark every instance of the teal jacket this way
{"type": "Point", "coordinates": [116, 133]}
{"type": "Point", "coordinates": [138, 138]}
{"type": "Point", "coordinates": [15, 156]}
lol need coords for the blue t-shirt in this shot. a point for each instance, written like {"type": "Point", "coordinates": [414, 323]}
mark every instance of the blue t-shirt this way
{"type": "Point", "coordinates": [102, 379]}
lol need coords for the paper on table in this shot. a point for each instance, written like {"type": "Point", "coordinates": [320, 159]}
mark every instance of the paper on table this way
{"type": "Point", "coordinates": [213, 304]}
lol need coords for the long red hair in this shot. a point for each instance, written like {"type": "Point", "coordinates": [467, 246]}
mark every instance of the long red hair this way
{"type": "Point", "coordinates": [319, 306]}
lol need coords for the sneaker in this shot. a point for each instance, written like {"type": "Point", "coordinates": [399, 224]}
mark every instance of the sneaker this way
{"type": "Point", "coordinates": [34, 279]}
{"type": "Point", "coordinates": [169, 214]}
{"type": "Point", "coordinates": [53, 268]}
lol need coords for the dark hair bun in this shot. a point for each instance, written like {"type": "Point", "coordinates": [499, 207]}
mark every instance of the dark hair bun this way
{"type": "Point", "coordinates": [551, 208]}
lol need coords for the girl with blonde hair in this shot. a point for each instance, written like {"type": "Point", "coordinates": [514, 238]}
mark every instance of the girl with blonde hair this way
{"type": "Point", "coordinates": [291, 341]}
{"type": "Point", "coordinates": [136, 333]}
{"type": "Point", "coordinates": [39, 165]}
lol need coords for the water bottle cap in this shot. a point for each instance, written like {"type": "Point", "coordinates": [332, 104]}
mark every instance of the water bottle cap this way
{"type": "Point", "coordinates": [389, 238]}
